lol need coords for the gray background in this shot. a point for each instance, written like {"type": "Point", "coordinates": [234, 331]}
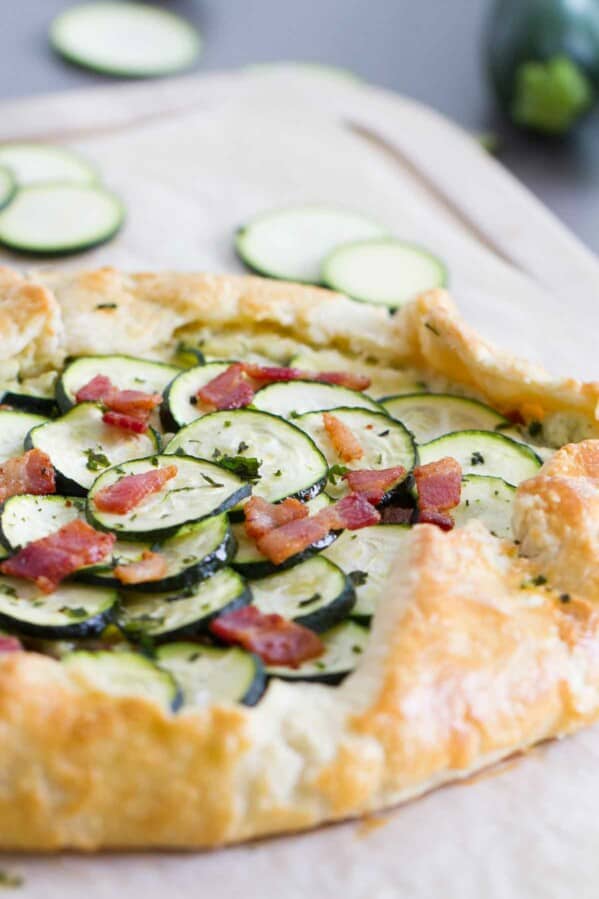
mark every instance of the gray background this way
{"type": "Point", "coordinates": [427, 49]}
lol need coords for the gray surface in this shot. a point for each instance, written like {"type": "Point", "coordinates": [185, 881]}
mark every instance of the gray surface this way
{"type": "Point", "coordinates": [427, 49]}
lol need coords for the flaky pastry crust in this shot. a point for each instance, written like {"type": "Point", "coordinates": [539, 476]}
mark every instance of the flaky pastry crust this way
{"type": "Point", "coordinates": [479, 648]}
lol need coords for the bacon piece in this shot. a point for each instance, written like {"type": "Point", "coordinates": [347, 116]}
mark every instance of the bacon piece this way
{"type": "Point", "coordinates": [29, 473]}
{"type": "Point", "coordinates": [431, 516]}
{"type": "Point", "coordinates": [229, 390]}
{"type": "Point", "coordinates": [439, 484]}
{"type": "Point", "coordinates": [275, 639]}
{"type": "Point", "coordinates": [262, 516]}
{"type": "Point", "coordinates": [95, 391]}
{"type": "Point", "coordinates": [374, 483]}
{"type": "Point", "coordinates": [351, 512]}
{"type": "Point", "coordinates": [151, 567]}
{"type": "Point", "coordinates": [10, 644]}
{"type": "Point", "coordinates": [49, 560]}
{"type": "Point", "coordinates": [134, 402]}
{"type": "Point", "coordinates": [268, 374]}
{"type": "Point", "coordinates": [128, 492]}
{"type": "Point", "coordinates": [345, 443]}
{"type": "Point", "coordinates": [125, 422]}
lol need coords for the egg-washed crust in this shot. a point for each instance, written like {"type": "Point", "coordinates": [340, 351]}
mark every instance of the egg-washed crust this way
{"type": "Point", "coordinates": [476, 651]}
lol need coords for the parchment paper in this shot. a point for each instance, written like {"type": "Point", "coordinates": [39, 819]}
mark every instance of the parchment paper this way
{"type": "Point", "coordinates": [195, 159]}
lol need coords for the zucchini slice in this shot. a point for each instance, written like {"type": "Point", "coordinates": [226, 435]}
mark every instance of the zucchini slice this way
{"type": "Point", "coordinates": [385, 442]}
{"type": "Point", "coordinates": [125, 39]}
{"type": "Point", "coordinates": [53, 219]}
{"type": "Point", "coordinates": [315, 593]}
{"type": "Point", "coordinates": [344, 645]}
{"type": "Point", "coordinates": [199, 490]}
{"type": "Point", "coordinates": [384, 381]}
{"type": "Point", "coordinates": [288, 399]}
{"type": "Point", "coordinates": [366, 556]}
{"type": "Point", "coordinates": [26, 517]}
{"type": "Point", "coordinates": [250, 562]}
{"type": "Point", "coordinates": [289, 462]}
{"type": "Point", "coordinates": [292, 243]}
{"type": "Point", "coordinates": [209, 674]}
{"type": "Point", "coordinates": [125, 674]}
{"type": "Point", "coordinates": [192, 554]}
{"type": "Point", "coordinates": [386, 272]}
{"type": "Point", "coordinates": [484, 452]}
{"type": "Point", "coordinates": [8, 185]}
{"type": "Point", "coordinates": [430, 415]}
{"type": "Point", "coordinates": [14, 428]}
{"type": "Point", "coordinates": [80, 446]}
{"type": "Point", "coordinates": [31, 402]}
{"type": "Point", "coordinates": [166, 616]}
{"type": "Point", "coordinates": [125, 372]}
{"type": "Point", "coordinates": [40, 163]}
{"type": "Point", "coordinates": [488, 499]}
{"type": "Point", "coordinates": [180, 406]}
{"type": "Point", "coordinates": [72, 611]}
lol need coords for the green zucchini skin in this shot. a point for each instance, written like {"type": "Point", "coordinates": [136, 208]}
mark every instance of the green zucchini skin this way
{"type": "Point", "coordinates": [180, 660]}
{"type": "Point", "coordinates": [521, 32]}
{"type": "Point", "coordinates": [28, 402]}
{"type": "Point", "coordinates": [83, 627]}
{"type": "Point", "coordinates": [261, 566]}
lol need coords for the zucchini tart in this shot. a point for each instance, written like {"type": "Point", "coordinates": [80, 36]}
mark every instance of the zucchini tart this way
{"type": "Point", "coordinates": [273, 558]}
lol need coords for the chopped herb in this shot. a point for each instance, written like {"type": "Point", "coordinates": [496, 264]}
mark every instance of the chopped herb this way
{"type": "Point", "coordinates": [277, 473]}
{"type": "Point", "coordinates": [565, 597]}
{"type": "Point", "coordinates": [311, 599]}
{"type": "Point", "coordinates": [431, 328]}
{"type": "Point", "coordinates": [320, 665]}
{"type": "Point", "coordinates": [96, 461]}
{"type": "Point", "coordinates": [503, 426]}
{"type": "Point", "coordinates": [539, 580]}
{"type": "Point", "coordinates": [194, 657]}
{"type": "Point", "coordinates": [245, 467]}
{"type": "Point", "coordinates": [154, 461]}
{"type": "Point", "coordinates": [294, 414]}
{"type": "Point", "coordinates": [243, 446]}
{"type": "Point", "coordinates": [336, 472]}
{"type": "Point", "coordinates": [107, 306]}
{"type": "Point", "coordinates": [139, 380]}
{"type": "Point", "coordinates": [227, 424]}
{"type": "Point", "coordinates": [78, 612]}
{"type": "Point", "coordinates": [477, 458]}
{"type": "Point", "coordinates": [208, 480]}
{"type": "Point", "coordinates": [10, 881]}
{"type": "Point", "coordinates": [356, 648]}
{"type": "Point", "coordinates": [383, 433]}
{"type": "Point", "coordinates": [379, 459]}
{"type": "Point", "coordinates": [358, 578]}
{"type": "Point", "coordinates": [193, 400]}
{"type": "Point", "coordinates": [7, 590]}
{"type": "Point", "coordinates": [180, 451]}
{"type": "Point", "coordinates": [535, 428]}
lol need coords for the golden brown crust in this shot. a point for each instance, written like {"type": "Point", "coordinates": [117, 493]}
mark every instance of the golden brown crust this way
{"type": "Point", "coordinates": [475, 651]}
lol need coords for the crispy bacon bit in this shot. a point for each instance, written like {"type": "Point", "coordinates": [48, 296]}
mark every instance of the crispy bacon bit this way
{"type": "Point", "coordinates": [49, 560]}
{"type": "Point", "coordinates": [374, 483]}
{"type": "Point", "coordinates": [151, 567]}
{"type": "Point", "coordinates": [127, 409]}
{"type": "Point", "coordinates": [431, 516]}
{"type": "Point", "coordinates": [345, 443]}
{"type": "Point", "coordinates": [29, 473]}
{"type": "Point", "coordinates": [439, 484]}
{"type": "Point", "coordinates": [268, 374]}
{"type": "Point", "coordinates": [262, 516]}
{"type": "Point", "coordinates": [125, 422]}
{"type": "Point", "coordinates": [275, 639]}
{"type": "Point", "coordinates": [351, 512]}
{"type": "Point", "coordinates": [10, 644]}
{"type": "Point", "coordinates": [229, 390]}
{"type": "Point", "coordinates": [128, 492]}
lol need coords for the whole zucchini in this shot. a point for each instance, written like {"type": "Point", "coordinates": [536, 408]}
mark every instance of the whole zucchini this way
{"type": "Point", "coordinates": [543, 58]}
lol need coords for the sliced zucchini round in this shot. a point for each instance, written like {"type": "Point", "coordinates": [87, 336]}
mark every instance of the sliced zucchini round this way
{"type": "Point", "coordinates": [31, 402]}
{"type": "Point", "coordinates": [430, 415]}
{"type": "Point", "coordinates": [251, 563]}
{"type": "Point", "coordinates": [14, 428]}
{"type": "Point", "coordinates": [53, 219]}
{"type": "Point", "coordinates": [199, 490]}
{"type": "Point", "coordinates": [209, 674]}
{"type": "Point", "coordinates": [315, 593]}
{"type": "Point", "coordinates": [26, 517]}
{"type": "Point", "coordinates": [366, 556]}
{"type": "Point", "coordinates": [289, 463]}
{"type": "Point", "coordinates": [386, 272]}
{"type": "Point", "coordinates": [292, 243]}
{"type": "Point", "coordinates": [125, 39]}
{"type": "Point", "coordinates": [80, 446]}
{"type": "Point", "coordinates": [489, 500]}
{"type": "Point", "coordinates": [8, 185]}
{"type": "Point", "coordinates": [170, 616]}
{"type": "Point", "coordinates": [484, 452]}
{"type": "Point", "coordinates": [384, 381]}
{"type": "Point", "coordinates": [344, 645]}
{"type": "Point", "coordinates": [73, 610]}
{"type": "Point", "coordinates": [288, 399]}
{"type": "Point", "coordinates": [125, 674]}
{"type": "Point", "coordinates": [125, 372]}
{"type": "Point", "coordinates": [385, 442]}
{"type": "Point", "coordinates": [192, 554]}
{"type": "Point", "coordinates": [40, 163]}
{"type": "Point", "coordinates": [180, 405]}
